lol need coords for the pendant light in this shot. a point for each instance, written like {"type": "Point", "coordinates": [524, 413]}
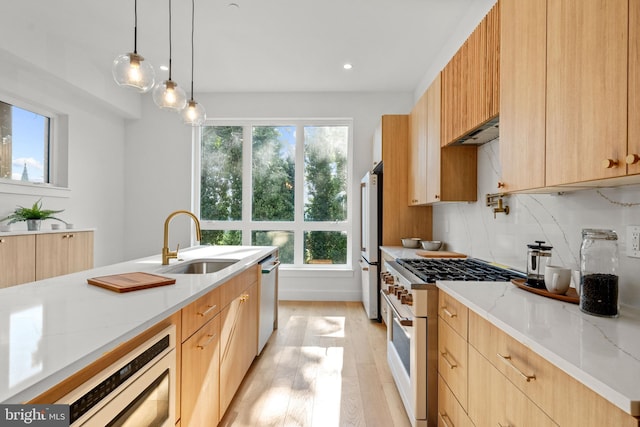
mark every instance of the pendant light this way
{"type": "Point", "coordinates": [193, 114]}
{"type": "Point", "coordinates": [129, 69]}
{"type": "Point", "coordinates": [168, 95]}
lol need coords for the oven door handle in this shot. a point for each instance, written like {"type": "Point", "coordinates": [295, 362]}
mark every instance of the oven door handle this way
{"type": "Point", "coordinates": [404, 321]}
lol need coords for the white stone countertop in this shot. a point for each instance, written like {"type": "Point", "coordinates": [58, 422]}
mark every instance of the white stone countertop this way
{"type": "Point", "coordinates": [44, 230]}
{"type": "Point", "coordinates": [52, 328]}
{"type": "Point", "coordinates": [602, 353]}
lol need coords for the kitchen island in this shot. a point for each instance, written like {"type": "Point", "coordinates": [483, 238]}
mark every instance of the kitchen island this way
{"type": "Point", "coordinates": [53, 328]}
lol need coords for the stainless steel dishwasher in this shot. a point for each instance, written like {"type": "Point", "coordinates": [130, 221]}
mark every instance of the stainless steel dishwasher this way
{"type": "Point", "coordinates": [268, 321]}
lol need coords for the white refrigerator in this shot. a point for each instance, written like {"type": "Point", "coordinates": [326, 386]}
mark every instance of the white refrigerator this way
{"type": "Point", "coordinates": [370, 233]}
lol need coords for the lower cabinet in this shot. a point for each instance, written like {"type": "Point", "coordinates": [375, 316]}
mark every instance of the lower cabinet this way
{"type": "Point", "coordinates": [28, 257]}
{"type": "Point", "coordinates": [239, 342]}
{"type": "Point", "coordinates": [498, 381]}
{"type": "Point", "coordinates": [63, 253]}
{"type": "Point", "coordinates": [220, 341]}
{"type": "Point", "coordinates": [17, 260]}
{"type": "Point", "coordinates": [201, 376]}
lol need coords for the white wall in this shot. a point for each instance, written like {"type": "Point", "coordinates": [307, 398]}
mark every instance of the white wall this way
{"type": "Point", "coordinates": [557, 219]}
{"type": "Point", "coordinates": [95, 153]}
{"type": "Point", "coordinates": [158, 170]}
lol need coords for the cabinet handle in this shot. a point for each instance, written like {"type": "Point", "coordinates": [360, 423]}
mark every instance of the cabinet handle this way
{"type": "Point", "coordinates": [437, 196]}
{"type": "Point", "coordinates": [609, 163]}
{"type": "Point", "coordinates": [365, 268]}
{"type": "Point", "coordinates": [244, 298]}
{"type": "Point", "coordinates": [70, 235]}
{"type": "Point", "coordinates": [632, 159]}
{"type": "Point", "coordinates": [1, 240]}
{"type": "Point", "coordinates": [208, 310]}
{"type": "Point", "coordinates": [211, 338]}
{"type": "Point", "coordinates": [448, 313]}
{"type": "Point", "coordinates": [446, 359]}
{"type": "Point", "coordinates": [500, 184]}
{"type": "Point", "coordinates": [507, 360]}
{"type": "Point", "coordinates": [445, 419]}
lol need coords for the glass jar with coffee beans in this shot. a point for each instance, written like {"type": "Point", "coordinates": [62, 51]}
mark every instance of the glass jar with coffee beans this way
{"type": "Point", "coordinates": [599, 272]}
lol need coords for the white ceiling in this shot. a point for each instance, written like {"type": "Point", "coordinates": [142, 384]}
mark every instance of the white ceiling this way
{"type": "Point", "coordinates": [262, 45]}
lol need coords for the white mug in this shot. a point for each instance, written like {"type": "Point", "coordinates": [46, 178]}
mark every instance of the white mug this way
{"type": "Point", "coordinates": [557, 279]}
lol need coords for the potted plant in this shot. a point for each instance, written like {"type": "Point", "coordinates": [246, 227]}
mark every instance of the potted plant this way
{"type": "Point", "coordinates": [33, 215]}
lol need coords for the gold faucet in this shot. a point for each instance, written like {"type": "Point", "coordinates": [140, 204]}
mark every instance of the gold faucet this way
{"type": "Point", "coordinates": [166, 253]}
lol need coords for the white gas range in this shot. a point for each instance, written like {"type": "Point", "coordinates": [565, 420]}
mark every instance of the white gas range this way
{"type": "Point", "coordinates": [409, 299]}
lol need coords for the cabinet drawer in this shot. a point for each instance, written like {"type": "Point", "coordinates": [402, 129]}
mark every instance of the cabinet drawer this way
{"type": "Point", "coordinates": [453, 312]}
{"type": "Point", "coordinates": [450, 413]}
{"type": "Point", "coordinates": [566, 400]}
{"type": "Point", "coordinates": [200, 312]}
{"type": "Point", "coordinates": [452, 361]}
{"type": "Point", "coordinates": [495, 401]}
{"type": "Point", "coordinates": [524, 368]}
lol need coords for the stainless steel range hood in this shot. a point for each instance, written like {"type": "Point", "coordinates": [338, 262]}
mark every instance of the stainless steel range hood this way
{"type": "Point", "coordinates": [485, 133]}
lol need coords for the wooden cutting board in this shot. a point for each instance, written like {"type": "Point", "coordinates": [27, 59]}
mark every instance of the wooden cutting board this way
{"type": "Point", "coordinates": [128, 282]}
{"type": "Point", "coordinates": [439, 254]}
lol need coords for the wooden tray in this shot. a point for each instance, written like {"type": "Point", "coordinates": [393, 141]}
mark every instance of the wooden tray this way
{"type": "Point", "coordinates": [571, 295]}
{"type": "Point", "coordinates": [439, 254]}
{"type": "Point", "coordinates": [128, 282]}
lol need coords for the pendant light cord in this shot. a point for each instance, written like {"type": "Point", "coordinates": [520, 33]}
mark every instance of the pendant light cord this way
{"type": "Point", "coordinates": [193, 14]}
{"type": "Point", "coordinates": [135, 26]}
{"type": "Point", "coordinates": [169, 39]}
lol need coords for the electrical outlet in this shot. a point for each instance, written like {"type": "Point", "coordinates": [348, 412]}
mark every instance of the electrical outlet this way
{"type": "Point", "coordinates": [633, 241]}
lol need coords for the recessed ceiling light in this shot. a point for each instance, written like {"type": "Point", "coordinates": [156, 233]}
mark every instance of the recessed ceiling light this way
{"type": "Point", "coordinates": [347, 66]}
{"type": "Point", "coordinates": [164, 68]}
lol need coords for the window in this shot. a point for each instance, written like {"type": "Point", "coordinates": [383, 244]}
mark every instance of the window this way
{"type": "Point", "coordinates": [283, 184]}
{"type": "Point", "coordinates": [24, 149]}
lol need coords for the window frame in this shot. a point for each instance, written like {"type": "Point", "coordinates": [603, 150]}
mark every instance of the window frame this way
{"type": "Point", "coordinates": [56, 154]}
{"type": "Point", "coordinates": [299, 225]}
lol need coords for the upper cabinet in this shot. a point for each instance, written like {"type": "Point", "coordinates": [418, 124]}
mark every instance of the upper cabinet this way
{"type": "Point", "coordinates": [587, 71]}
{"type": "Point", "coordinates": [470, 89]}
{"type": "Point", "coordinates": [633, 149]}
{"type": "Point", "coordinates": [522, 97]}
{"type": "Point", "coordinates": [570, 75]}
{"type": "Point", "coordinates": [417, 161]}
{"type": "Point", "coordinates": [398, 219]}
{"type": "Point", "coordinates": [437, 174]}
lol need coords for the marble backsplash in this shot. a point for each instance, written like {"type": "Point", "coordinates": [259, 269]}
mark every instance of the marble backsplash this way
{"type": "Point", "coordinates": [558, 219]}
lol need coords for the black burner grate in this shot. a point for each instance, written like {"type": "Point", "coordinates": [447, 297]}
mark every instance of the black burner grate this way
{"type": "Point", "coordinates": [467, 269]}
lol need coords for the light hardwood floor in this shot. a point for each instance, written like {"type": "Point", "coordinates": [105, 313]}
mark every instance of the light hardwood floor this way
{"type": "Point", "coordinates": [325, 366]}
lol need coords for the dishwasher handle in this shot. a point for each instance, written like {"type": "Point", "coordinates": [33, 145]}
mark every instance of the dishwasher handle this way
{"type": "Point", "coordinates": [268, 268]}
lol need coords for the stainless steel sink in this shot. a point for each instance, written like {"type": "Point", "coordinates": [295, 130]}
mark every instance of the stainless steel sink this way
{"type": "Point", "coordinates": [200, 266]}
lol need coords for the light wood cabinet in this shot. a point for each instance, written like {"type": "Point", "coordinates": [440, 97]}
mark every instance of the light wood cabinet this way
{"type": "Point", "coordinates": [469, 89]}
{"type": "Point", "coordinates": [201, 376]}
{"type": "Point", "coordinates": [495, 401]}
{"type": "Point", "coordinates": [398, 219]}
{"type": "Point", "coordinates": [452, 361]}
{"type": "Point", "coordinates": [569, 84]}
{"type": "Point", "coordinates": [566, 401]}
{"type": "Point", "coordinates": [633, 149]}
{"type": "Point", "coordinates": [239, 342]}
{"type": "Point", "coordinates": [63, 253]}
{"type": "Point", "coordinates": [450, 413]}
{"type": "Point", "coordinates": [418, 158]}
{"type": "Point", "coordinates": [587, 76]}
{"type": "Point", "coordinates": [437, 174]}
{"type": "Point", "coordinates": [17, 260]}
{"type": "Point", "coordinates": [523, 56]}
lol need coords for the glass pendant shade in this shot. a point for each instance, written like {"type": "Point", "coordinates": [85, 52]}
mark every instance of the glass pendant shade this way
{"type": "Point", "coordinates": [169, 96]}
{"type": "Point", "coordinates": [193, 114]}
{"type": "Point", "coordinates": [130, 70]}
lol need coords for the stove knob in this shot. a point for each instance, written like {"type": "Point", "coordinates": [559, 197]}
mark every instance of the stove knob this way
{"type": "Point", "coordinates": [400, 290]}
{"type": "Point", "coordinates": [407, 299]}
